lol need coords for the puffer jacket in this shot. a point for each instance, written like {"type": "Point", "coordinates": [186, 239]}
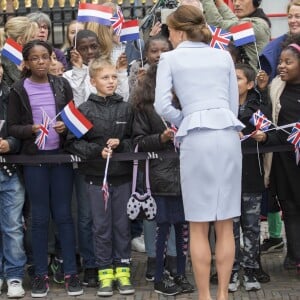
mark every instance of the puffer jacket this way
{"type": "Point", "coordinates": [252, 172]}
{"type": "Point", "coordinates": [19, 114]}
{"type": "Point", "coordinates": [112, 118]}
{"type": "Point", "coordinates": [164, 173]}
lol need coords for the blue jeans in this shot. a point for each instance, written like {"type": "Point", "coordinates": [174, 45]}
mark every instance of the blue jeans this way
{"type": "Point", "coordinates": [150, 239]}
{"type": "Point", "coordinates": [84, 222]}
{"type": "Point", "coordinates": [12, 254]}
{"type": "Point", "coordinates": [49, 189]}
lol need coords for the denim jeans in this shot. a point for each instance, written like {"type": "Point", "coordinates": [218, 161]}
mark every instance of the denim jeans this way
{"type": "Point", "coordinates": [49, 190]}
{"type": "Point", "coordinates": [150, 239]}
{"type": "Point", "coordinates": [84, 222]}
{"type": "Point", "coordinates": [12, 254]}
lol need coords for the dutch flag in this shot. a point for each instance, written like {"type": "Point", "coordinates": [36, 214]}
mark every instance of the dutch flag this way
{"type": "Point", "coordinates": [243, 34]}
{"type": "Point", "coordinates": [13, 51]}
{"type": "Point", "coordinates": [76, 122]}
{"type": "Point", "coordinates": [130, 31]}
{"type": "Point", "coordinates": [88, 12]}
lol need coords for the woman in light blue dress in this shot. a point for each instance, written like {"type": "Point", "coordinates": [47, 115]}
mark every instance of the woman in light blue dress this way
{"type": "Point", "coordinates": [205, 83]}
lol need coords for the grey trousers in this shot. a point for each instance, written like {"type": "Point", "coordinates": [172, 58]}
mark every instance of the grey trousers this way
{"type": "Point", "coordinates": [111, 227]}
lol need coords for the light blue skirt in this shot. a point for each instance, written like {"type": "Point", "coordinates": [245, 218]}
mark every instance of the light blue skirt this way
{"type": "Point", "coordinates": [211, 170]}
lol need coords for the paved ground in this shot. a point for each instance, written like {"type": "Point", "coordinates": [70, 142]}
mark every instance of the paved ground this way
{"type": "Point", "coordinates": [284, 285]}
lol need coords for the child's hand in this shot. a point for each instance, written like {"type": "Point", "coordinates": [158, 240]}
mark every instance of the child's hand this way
{"type": "Point", "coordinates": [167, 135]}
{"type": "Point", "coordinates": [59, 127]}
{"type": "Point", "coordinates": [113, 143]}
{"type": "Point", "coordinates": [122, 63]}
{"type": "Point", "coordinates": [4, 146]}
{"type": "Point", "coordinates": [262, 79]}
{"type": "Point", "coordinates": [141, 74]}
{"type": "Point", "coordinates": [259, 136]}
{"type": "Point", "coordinates": [76, 59]}
{"type": "Point", "coordinates": [35, 128]}
{"type": "Point", "coordinates": [107, 151]}
{"type": "Point", "coordinates": [156, 29]}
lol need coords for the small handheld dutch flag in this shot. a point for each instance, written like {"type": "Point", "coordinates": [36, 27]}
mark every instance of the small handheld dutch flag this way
{"type": "Point", "coordinates": [243, 34]}
{"type": "Point", "coordinates": [88, 12]}
{"type": "Point", "coordinates": [130, 31]}
{"type": "Point", "coordinates": [13, 51]}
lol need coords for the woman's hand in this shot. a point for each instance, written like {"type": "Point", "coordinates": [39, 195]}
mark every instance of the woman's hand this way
{"type": "Point", "coordinates": [259, 136]}
{"type": "Point", "coordinates": [156, 29]}
{"type": "Point", "coordinates": [59, 127]}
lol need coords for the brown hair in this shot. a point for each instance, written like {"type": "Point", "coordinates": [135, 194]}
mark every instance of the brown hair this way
{"type": "Point", "coordinates": [190, 20]}
{"type": "Point", "coordinates": [292, 3]}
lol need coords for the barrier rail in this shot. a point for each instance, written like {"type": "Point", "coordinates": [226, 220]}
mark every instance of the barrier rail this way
{"type": "Point", "coordinates": [69, 158]}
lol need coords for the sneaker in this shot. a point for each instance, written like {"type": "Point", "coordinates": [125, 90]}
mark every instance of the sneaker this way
{"type": "Point", "coordinates": [106, 280]}
{"type": "Point", "coordinates": [166, 287]}
{"type": "Point", "coordinates": [234, 282]}
{"type": "Point", "coordinates": [90, 277]}
{"type": "Point", "coordinates": [150, 271]}
{"type": "Point", "coordinates": [289, 263]}
{"type": "Point", "coordinates": [183, 283]}
{"type": "Point", "coordinates": [261, 275]}
{"type": "Point", "coordinates": [138, 244]}
{"type": "Point", "coordinates": [250, 282]}
{"type": "Point", "coordinates": [40, 286]}
{"type": "Point", "coordinates": [73, 285]}
{"type": "Point", "coordinates": [171, 266]}
{"type": "Point", "coordinates": [1, 284]}
{"type": "Point", "coordinates": [15, 288]}
{"type": "Point", "coordinates": [272, 245]}
{"type": "Point", "coordinates": [124, 285]}
{"type": "Point", "coordinates": [57, 269]}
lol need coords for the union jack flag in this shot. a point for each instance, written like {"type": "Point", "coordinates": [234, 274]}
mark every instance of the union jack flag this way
{"type": "Point", "coordinates": [117, 21]}
{"type": "Point", "coordinates": [41, 138]}
{"type": "Point", "coordinates": [220, 37]}
{"type": "Point", "coordinates": [260, 121]}
{"type": "Point", "coordinates": [294, 138]}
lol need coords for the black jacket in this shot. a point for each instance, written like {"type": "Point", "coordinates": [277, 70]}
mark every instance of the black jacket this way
{"type": "Point", "coordinates": [19, 115]}
{"type": "Point", "coordinates": [112, 118]}
{"type": "Point", "coordinates": [252, 175]}
{"type": "Point", "coordinates": [164, 173]}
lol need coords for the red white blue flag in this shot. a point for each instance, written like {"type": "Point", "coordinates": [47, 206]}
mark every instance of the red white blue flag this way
{"type": "Point", "coordinates": [220, 37]}
{"type": "Point", "coordinates": [41, 138]}
{"type": "Point", "coordinates": [76, 122]}
{"type": "Point", "coordinates": [260, 121]}
{"type": "Point", "coordinates": [294, 138]}
{"type": "Point", "coordinates": [130, 31]}
{"type": "Point", "coordinates": [243, 34]}
{"type": "Point", "coordinates": [88, 12]}
{"type": "Point", "coordinates": [13, 51]}
{"type": "Point", "coordinates": [117, 21]}
{"type": "Point", "coordinates": [105, 184]}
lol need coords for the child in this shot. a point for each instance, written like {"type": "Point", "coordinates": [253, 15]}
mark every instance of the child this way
{"type": "Point", "coordinates": [151, 134]}
{"type": "Point", "coordinates": [285, 173]}
{"type": "Point", "coordinates": [252, 187]}
{"type": "Point", "coordinates": [49, 187]}
{"type": "Point", "coordinates": [12, 255]}
{"type": "Point", "coordinates": [112, 120]}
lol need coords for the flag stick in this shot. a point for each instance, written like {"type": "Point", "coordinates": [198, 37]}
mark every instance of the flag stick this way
{"type": "Point", "coordinates": [257, 55]}
{"type": "Point", "coordinates": [141, 54]}
{"type": "Point", "coordinates": [75, 36]}
{"type": "Point", "coordinates": [55, 118]}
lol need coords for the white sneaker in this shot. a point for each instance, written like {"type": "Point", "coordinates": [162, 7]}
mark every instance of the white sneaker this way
{"type": "Point", "coordinates": [15, 288]}
{"type": "Point", "coordinates": [138, 244]}
{"type": "Point", "coordinates": [1, 284]}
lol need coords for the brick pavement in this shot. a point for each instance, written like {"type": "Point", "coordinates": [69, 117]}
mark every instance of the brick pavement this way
{"type": "Point", "coordinates": [284, 285]}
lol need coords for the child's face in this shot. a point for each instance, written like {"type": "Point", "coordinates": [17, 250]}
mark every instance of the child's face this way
{"type": "Point", "coordinates": [72, 31]}
{"type": "Point", "coordinates": [56, 68]}
{"type": "Point", "coordinates": [105, 81]}
{"type": "Point", "coordinates": [243, 84]}
{"type": "Point", "coordinates": [289, 66]}
{"type": "Point", "coordinates": [38, 62]}
{"type": "Point", "coordinates": [156, 48]}
{"type": "Point", "coordinates": [88, 48]}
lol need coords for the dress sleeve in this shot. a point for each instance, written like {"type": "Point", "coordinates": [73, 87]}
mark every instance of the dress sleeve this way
{"type": "Point", "coordinates": [163, 94]}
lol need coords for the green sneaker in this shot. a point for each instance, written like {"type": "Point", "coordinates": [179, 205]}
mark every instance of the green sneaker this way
{"type": "Point", "coordinates": [106, 281]}
{"type": "Point", "coordinates": [122, 275]}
